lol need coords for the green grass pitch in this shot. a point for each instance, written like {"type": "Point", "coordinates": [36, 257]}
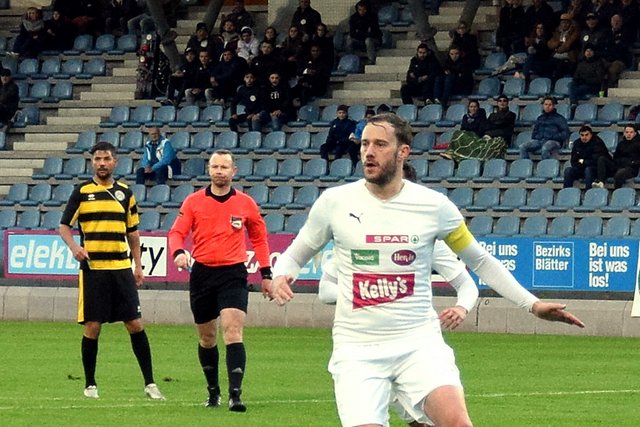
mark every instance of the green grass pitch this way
{"type": "Point", "coordinates": [510, 380]}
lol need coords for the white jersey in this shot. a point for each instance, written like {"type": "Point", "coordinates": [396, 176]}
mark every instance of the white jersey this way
{"type": "Point", "coordinates": [383, 253]}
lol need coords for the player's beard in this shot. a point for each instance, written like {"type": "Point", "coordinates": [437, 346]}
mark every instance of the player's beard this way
{"type": "Point", "coordinates": [388, 170]}
{"type": "Point", "coordinates": [104, 174]}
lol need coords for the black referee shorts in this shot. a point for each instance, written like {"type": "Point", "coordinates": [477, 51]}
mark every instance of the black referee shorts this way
{"type": "Point", "coordinates": [212, 289]}
{"type": "Point", "coordinates": [107, 296]}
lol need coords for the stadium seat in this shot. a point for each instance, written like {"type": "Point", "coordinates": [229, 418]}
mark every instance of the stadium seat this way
{"type": "Point", "coordinates": [356, 112]}
{"type": "Point", "coordinates": [51, 167]}
{"type": "Point", "coordinates": [167, 220]}
{"type": "Point", "coordinates": [439, 170]}
{"type": "Point", "coordinates": [37, 194]}
{"type": "Point", "coordinates": [461, 197]}
{"type": "Point", "coordinates": [538, 88]}
{"type": "Point", "coordinates": [273, 142]}
{"type": "Point", "coordinates": [293, 223]}
{"type": "Point", "coordinates": [200, 142]}
{"type": "Point", "coordinates": [467, 170]}
{"type": "Point", "coordinates": [185, 116]}
{"type": "Point", "coordinates": [317, 139]}
{"type": "Point", "coordinates": [178, 195]}
{"type": "Point", "coordinates": [18, 192]}
{"type": "Point", "coordinates": [244, 167]}
{"type": "Point", "coordinates": [339, 169]}
{"type": "Point", "coordinates": [409, 112]}
{"type": "Point", "coordinates": [545, 171]}
{"type": "Point", "coordinates": [609, 114]}
{"type": "Point", "coordinates": [180, 140]}
{"type": "Point", "coordinates": [72, 168]}
{"type": "Point", "coordinates": [306, 115]}
{"type": "Point", "coordinates": [304, 197]}
{"type": "Point", "coordinates": [212, 114]}
{"type": "Point", "coordinates": [422, 142]}
{"type": "Point", "coordinates": [29, 220]}
{"type": "Point", "coordinates": [51, 220]}
{"type": "Point", "coordinates": [490, 63]}
{"type": "Point", "coordinates": [561, 226]}
{"type": "Point", "coordinates": [259, 193]}
{"type": "Point", "coordinates": [139, 192]}
{"type": "Point", "coordinates": [38, 91]}
{"type": "Point", "coordinates": [584, 114]}
{"type": "Point", "coordinates": [29, 115]}
{"type": "Point", "coordinates": [388, 14]}
{"type": "Point", "coordinates": [131, 141]}
{"type": "Point", "coordinates": [263, 169]}
{"type": "Point", "coordinates": [71, 67]}
{"type": "Point", "coordinates": [540, 198]}
{"type": "Point", "coordinates": [124, 168]}
{"type": "Point", "coordinates": [453, 116]}
{"type": "Point", "coordinates": [288, 169]}
{"type": "Point", "coordinates": [227, 140]}
{"type": "Point", "coordinates": [10, 63]}
{"type": "Point", "coordinates": [567, 198]}
{"type": "Point", "coordinates": [112, 137]}
{"type": "Point", "coordinates": [192, 168]}
{"type": "Point", "coordinates": [104, 43]}
{"type": "Point", "coordinates": [118, 115]}
{"type": "Point", "coordinates": [442, 140]}
{"type": "Point", "coordinates": [139, 116]}
{"type": "Point", "coordinates": [162, 116]}
{"type": "Point", "coordinates": [534, 226]}
{"type": "Point", "coordinates": [27, 67]}
{"type": "Point", "coordinates": [421, 166]}
{"type": "Point", "coordinates": [561, 88]}
{"type": "Point", "coordinates": [7, 219]}
{"type": "Point", "coordinates": [62, 90]}
{"type": "Point", "coordinates": [506, 226]}
{"type": "Point", "coordinates": [529, 114]}
{"type": "Point", "coordinates": [326, 116]}
{"type": "Point", "coordinates": [127, 43]}
{"type": "Point", "coordinates": [616, 227]}
{"type": "Point", "coordinates": [484, 199]}
{"type": "Point", "coordinates": [348, 64]}
{"type": "Point", "coordinates": [621, 199]}
{"type": "Point", "coordinates": [92, 68]}
{"type": "Point", "coordinates": [149, 221]}
{"type": "Point", "coordinates": [156, 196]}
{"type": "Point", "coordinates": [513, 88]}
{"type": "Point", "coordinates": [512, 198]}
{"type": "Point", "coordinates": [312, 170]}
{"type": "Point", "coordinates": [279, 197]}
{"type": "Point", "coordinates": [610, 139]}
{"type": "Point", "coordinates": [481, 225]}
{"type": "Point", "coordinates": [590, 226]}
{"type": "Point", "coordinates": [487, 88]}
{"type": "Point", "coordinates": [493, 170]}
{"type": "Point", "coordinates": [274, 222]}
{"type": "Point", "coordinates": [297, 142]}
{"type": "Point", "coordinates": [59, 195]}
{"type": "Point", "coordinates": [248, 142]}
{"type": "Point", "coordinates": [428, 115]}
{"type": "Point", "coordinates": [519, 170]}
{"type": "Point", "coordinates": [594, 199]}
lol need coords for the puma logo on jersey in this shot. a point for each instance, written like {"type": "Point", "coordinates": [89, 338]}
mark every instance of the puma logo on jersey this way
{"type": "Point", "coordinates": [352, 215]}
{"type": "Point", "coordinates": [373, 289]}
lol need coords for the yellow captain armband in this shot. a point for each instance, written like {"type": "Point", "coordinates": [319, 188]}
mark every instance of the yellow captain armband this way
{"type": "Point", "coordinates": [459, 238]}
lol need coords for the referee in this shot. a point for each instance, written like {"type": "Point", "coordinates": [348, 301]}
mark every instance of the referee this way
{"type": "Point", "coordinates": [217, 217]}
{"type": "Point", "coordinates": [107, 218]}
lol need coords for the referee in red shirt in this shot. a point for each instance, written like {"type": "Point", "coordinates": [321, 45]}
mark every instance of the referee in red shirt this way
{"type": "Point", "coordinates": [217, 217]}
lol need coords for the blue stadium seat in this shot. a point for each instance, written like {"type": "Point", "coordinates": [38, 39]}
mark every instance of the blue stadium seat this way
{"type": "Point", "coordinates": [297, 142]}
{"type": "Point", "coordinates": [139, 192]}
{"type": "Point", "coordinates": [112, 137]}
{"type": "Point", "coordinates": [609, 114]}
{"type": "Point", "coordinates": [348, 64]}
{"type": "Point", "coordinates": [616, 227]}
{"type": "Point", "coordinates": [166, 222]}
{"type": "Point", "coordinates": [453, 116]}
{"type": "Point", "coordinates": [29, 115]}
{"type": "Point", "coordinates": [312, 169]}
{"type": "Point", "coordinates": [288, 169]}
{"type": "Point", "coordinates": [139, 116]}
{"type": "Point", "coordinates": [428, 115]}
{"type": "Point", "coordinates": [610, 138]}
{"type": "Point", "coordinates": [104, 43]}
{"type": "Point", "coordinates": [124, 167]}
{"type": "Point", "coordinates": [263, 169]}
{"type": "Point", "coordinates": [248, 142]}
{"type": "Point", "coordinates": [590, 226]}
{"type": "Point", "coordinates": [37, 91]}
{"type": "Point", "coordinates": [72, 168]}
{"type": "Point", "coordinates": [227, 140]}
{"type": "Point", "coordinates": [481, 225]}
{"type": "Point", "coordinates": [621, 199]}
{"type": "Point", "coordinates": [584, 114]}
{"type": "Point", "coordinates": [274, 222]}
{"type": "Point", "coordinates": [467, 170]}
{"type": "Point", "coordinates": [304, 197]}
{"type": "Point", "coordinates": [388, 14]}
{"type": "Point", "coordinates": [327, 115]}
{"type": "Point", "coordinates": [538, 88]}
{"type": "Point", "coordinates": [562, 226]}
{"type": "Point", "coordinates": [339, 169]}
{"type": "Point", "coordinates": [29, 220]}
{"type": "Point", "coordinates": [71, 67]}
{"type": "Point", "coordinates": [59, 195]}
{"type": "Point", "coordinates": [421, 166]}
{"type": "Point", "coordinates": [564, 110]}
{"type": "Point", "coordinates": [213, 114]}
{"type": "Point", "coordinates": [192, 168]}
{"type": "Point", "coordinates": [357, 111]}
{"type": "Point", "coordinates": [163, 116]}
{"type": "Point", "coordinates": [461, 197]}
{"type": "Point", "coordinates": [10, 63]}
{"type": "Point", "coordinates": [131, 141]}
{"type": "Point", "coordinates": [180, 140]}
{"type": "Point", "coordinates": [118, 115]}
{"type": "Point", "coordinates": [27, 67]}
{"type": "Point", "coordinates": [92, 68]}
{"type": "Point", "coordinates": [293, 223]}
{"type": "Point", "coordinates": [306, 115]}
{"type": "Point", "coordinates": [561, 88]}
{"type": "Point", "coordinates": [485, 199]}
{"type": "Point", "coordinates": [594, 199]}
{"type": "Point", "coordinates": [51, 167]}
{"type": "Point", "coordinates": [520, 139]}
{"type": "Point", "coordinates": [422, 142]}
{"type": "Point", "coordinates": [442, 140]}
{"type": "Point", "coordinates": [513, 88]}
{"type": "Point", "coordinates": [62, 90]}
{"type": "Point", "coordinates": [244, 167]}
{"type": "Point", "coordinates": [506, 226]}
{"type": "Point", "coordinates": [493, 170]}
{"type": "Point", "coordinates": [51, 220]}
{"type": "Point", "coordinates": [546, 170]}
{"type": "Point", "coordinates": [127, 43]}
{"type": "Point", "coordinates": [156, 196]}
{"type": "Point", "coordinates": [540, 198]}
{"type": "Point", "coordinates": [178, 195]}
{"type": "Point", "coordinates": [259, 193]}
{"type": "Point", "coordinates": [519, 170]}
{"type": "Point", "coordinates": [7, 219]}
{"type": "Point", "coordinates": [149, 221]}
{"type": "Point", "coordinates": [409, 112]}
{"type": "Point", "coordinates": [487, 88]}
{"type": "Point", "coordinates": [512, 198]}
{"type": "Point", "coordinates": [567, 198]}
{"type": "Point", "coordinates": [18, 192]}
{"type": "Point", "coordinates": [200, 142]}
{"type": "Point", "coordinates": [317, 139]}
{"type": "Point", "coordinates": [439, 170]}
{"type": "Point", "coordinates": [186, 115]}
{"type": "Point", "coordinates": [273, 142]}
{"type": "Point", "coordinates": [490, 63]}
{"type": "Point", "coordinates": [529, 114]}
{"type": "Point", "coordinates": [534, 226]}
{"type": "Point", "coordinates": [279, 197]}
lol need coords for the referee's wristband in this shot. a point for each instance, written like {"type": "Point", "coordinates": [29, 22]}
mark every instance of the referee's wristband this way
{"type": "Point", "coordinates": [265, 272]}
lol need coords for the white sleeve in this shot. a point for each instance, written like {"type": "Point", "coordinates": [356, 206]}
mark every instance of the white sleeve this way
{"type": "Point", "coordinates": [446, 262]}
{"type": "Point", "coordinates": [495, 275]}
{"type": "Point", "coordinates": [291, 261]}
{"type": "Point", "coordinates": [328, 285]}
{"type": "Point", "coordinates": [466, 289]}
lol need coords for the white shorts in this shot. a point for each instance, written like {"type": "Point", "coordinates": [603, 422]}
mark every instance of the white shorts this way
{"type": "Point", "coordinates": [365, 376]}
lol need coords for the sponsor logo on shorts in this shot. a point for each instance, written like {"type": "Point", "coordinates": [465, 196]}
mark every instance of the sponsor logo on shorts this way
{"type": "Point", "coordinates": [365, 257]}
{"type": "Point", "coordinates": [403, 257]}
{"type": "Point", "coordinates": [373, 289]}
{"type": "Point", "coordinates": [387, 238]}
{"type": "Point", "coordinates": [236, 222]}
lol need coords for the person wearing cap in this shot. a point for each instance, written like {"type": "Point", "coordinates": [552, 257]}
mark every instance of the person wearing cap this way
{"type": "Point", "coordinates": [592, 33]}
{"type": "Point", "coordinates": [306, 18]}
{"type": "Point", "coordinates": [338, 141]}
{"type": "Point", "coordinates": [248, 45]}
{"type": "Point", "coordinates": [423, 70]}
{"type": "Point", "coordinates": [501, 122]}
{"type": "Point", "coordinates": [565, 47]}
{"type": "Point", "coordinates": [9, 96]}
{"type": "Point", "coordinates": [550, 131]}
{"type": "Point", "coordinates": [202, 40]}
{"type": "Point", "coordinates": [176, 86]}
{"type": "Point", "coordinates": [589, 76]}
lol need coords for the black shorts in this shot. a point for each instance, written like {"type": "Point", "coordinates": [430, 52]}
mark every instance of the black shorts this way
{"type": "Point", "coordinates": [108, 296]}
{"type": "Point", "coordinates": [212, 289]}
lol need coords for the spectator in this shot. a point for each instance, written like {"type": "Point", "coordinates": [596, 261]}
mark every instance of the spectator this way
{"type": "Point", "coordinates": [564, 45]}
{"type": "Point", "coordinates": [270, 35]}
{"type": "Point", "coordinates": [511, 28]}
{"type": "Point", "coordinates": [457, 78]}
{"type": "Point", "coordinates": [475, 119]}
{"type": "Point", "coordinates": [239, 15]}
{"type": "Point", "coordinates": [202, 40]}
{"type": "Point", "coordinates": [224, 78]}
{"type": "Point", "coordinates": [201, 79]}
{"type": "Point", "coordinates": [9, 96]}
{"type": "Point", "coordinates": [628, 10]}
{"type": "Point", "coordinates": [176, 87]}
{"type": "Point", "coordinates": [117, 14]}
{"type": "Point", "coordinates": [538, 59]}
{"type": "Point", "coordinates": [338, 139]}
{"type": "Point", "coordinates": [605, 9]}
{"type": "Point", "coordinates": [248, 45]}
{"type": "Point", "coordinates": [30, 41]}
{"type": "Point", "coordinates": [539, 11]}
{"type": "Point", "coordinates": [229, 35]}
{"type": "Point", "coordinates": [86, 16]}
{"type": "Point", "coordinates": [58, 33]}
{"type": "Point", "coordinates": [325, 41]}
{"type": "Point", "coordinates": [313, 77]}
{"type": "Point", "coordinates": [423, 71]}
{"type": "Point", "coordinates": [589, 76]}
{"type": "Point", "coordinates": [616, 51]}
{"type": "Point", "coordinates": [592, 33]}
{"type": "Point", "coordinates": [467, 45]}
{"type": "Point", "coordinates": [501, 122]}
{"type": "Point", "coordinates": [306, 18]}
{"type": "Point", "coordinates": [292, 51]}
{"type": "Point", "coordinates": [585, 153]}
{"type": "Point", "coordinates": [159, 160]}
{"type": "Point", "coordinates": [626, 160]}
{"type": "Point", "coordinates": [364, 31]}
{"type": "Point", "coordinates": [356, 136]}
{"type": "Point", "coordinates": [248, 95]}
{"type": "Point", "coordinates": [265, 63]}
{"type": "Point", "coordinates": [276, 102]}
{"type": "Point", "coordinates": [550, 131]}
{"type": "Point", "coordinates": [579, 9]}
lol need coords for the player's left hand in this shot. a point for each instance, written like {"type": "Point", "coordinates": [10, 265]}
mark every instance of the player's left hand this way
{"type": "Point", "coordinates": [452, 317]}
{"type": "Point", "coordinates": [281, 289]}
{"type": "Point", "coordinates": [555, 313]}
{"type": "Point", "coordinates": [138, 276]}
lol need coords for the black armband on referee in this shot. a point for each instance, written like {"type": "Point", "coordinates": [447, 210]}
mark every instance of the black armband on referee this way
{"type": "Point", "coordinates": [265, 272]}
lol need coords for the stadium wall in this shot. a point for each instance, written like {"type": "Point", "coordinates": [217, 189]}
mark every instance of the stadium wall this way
{"type": "Point", "coordinates": [603, 318]}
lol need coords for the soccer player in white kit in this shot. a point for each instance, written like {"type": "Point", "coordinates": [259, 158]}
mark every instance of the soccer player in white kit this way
{"type": "Point", "coordinates": [386, 332]}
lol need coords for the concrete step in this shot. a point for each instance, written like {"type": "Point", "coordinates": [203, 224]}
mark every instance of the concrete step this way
{"type": "Point", "coordinates": [375, 77]}
{"type": "Point", "coordinates": [45, 138]}
{"type": "Point", "coordinates": [74, 121]}
{"type": "Point", "coordinates": [125, 72]}
{"type": "Point", "coordinates": [20, 164]}
{"type": "Point", "coordinates": [39, 146]}
{"type": "Point", "coordinates": [114, 97]}
{"type": "Point", "coordinates": [113, 87]}
{"type": "Point", "coordinates": [17, 172]}
{"type": "Point", "coordinates": [624, 92]}
{"type": "Point", "coordinates": [368, 86]}
{"type": "Point", "coordinates": [4, 189]}
{"type": "Point", "coordinates": [393, 60]}
{"type": "Point", "coordinates": [130, 63]}
{"type": "Point", "coordinates": [101, 102]}
{"type": "Point", "coordinates": [355, 94]}
{"type": "Point", "coordinates": [392, 68]}
{"type": "Point", "coordinates": [629, 83]}
{"type": "Point", "coordinates": [77, 112]}
{"type": "Point", "coordinates": [360, 100]}
{"type": "Point", "coordinates": [630, 75]}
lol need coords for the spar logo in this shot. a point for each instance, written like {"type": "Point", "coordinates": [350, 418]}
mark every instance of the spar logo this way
{"type": "Point", "coordinates": [387, 238]}
{"type": "Point", "coordinates": [373, 289]}
{"type": "Point", "coordinates": [403, 257]}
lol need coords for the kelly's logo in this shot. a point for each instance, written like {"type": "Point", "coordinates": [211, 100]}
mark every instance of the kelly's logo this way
{"type": "Point", "coordinates": [374, 289]}
{"type": "Point", "coordinates": [365, 257]}
{"type": "Point", "coordinates": [403, 257]}
{"type": "Point", "coordinates": [387, 238]}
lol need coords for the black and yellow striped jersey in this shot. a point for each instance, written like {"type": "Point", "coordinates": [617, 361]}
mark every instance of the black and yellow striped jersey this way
{"type": "Point", "coordinates": [104, 216]}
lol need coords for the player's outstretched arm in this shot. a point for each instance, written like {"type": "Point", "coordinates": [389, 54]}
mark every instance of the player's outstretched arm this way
{"type": "Point", "coordinates": [555, 313]}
